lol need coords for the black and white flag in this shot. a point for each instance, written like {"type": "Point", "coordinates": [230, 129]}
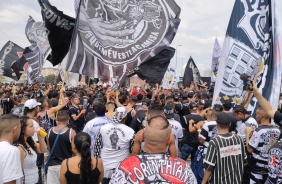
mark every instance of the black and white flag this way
{"type": "Point", "coordinates": [36, 33]}
{"type": "Point", "coordinates": [251, 37]}
{"type": "Point", "coordinates": [155, 68]}
{"type": "Point", "coordinates": [111, 38]}
{"type": "Point", "coordinates": [191, 74]}
{"type": "Point", "coordinates": [9, 54]}
{"type": "Point", "coordinates": [60, 27]}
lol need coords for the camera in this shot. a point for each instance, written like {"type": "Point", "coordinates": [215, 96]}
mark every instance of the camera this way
{"type": "Point", "coordinates": [246, 81]}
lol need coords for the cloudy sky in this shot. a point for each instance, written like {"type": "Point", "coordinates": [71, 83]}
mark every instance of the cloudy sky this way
{"type": "Point", "coordinates": [202, 22]}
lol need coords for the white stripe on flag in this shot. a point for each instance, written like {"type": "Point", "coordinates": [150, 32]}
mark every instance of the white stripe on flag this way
{"type": "Point", "coordinates": [75, 54]}
{"type": "Point", "coordinates": [83, 62]}
{"type": "Point", "coordinates": [95, 67]}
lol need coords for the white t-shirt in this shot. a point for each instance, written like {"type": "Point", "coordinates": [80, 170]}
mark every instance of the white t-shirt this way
{"type": "Point", "coordinates": [116, 139]}
{"type": "Point", "coordinates": [10, 163]}
{"type": "Point", "coordinates": [92, 128]}
{"type": "Point", "coordinates": [176, 131]}
{"type": "Point", "coordinates": [241, 127]}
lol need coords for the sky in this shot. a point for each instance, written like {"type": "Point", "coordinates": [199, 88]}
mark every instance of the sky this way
{"type": "Point", "coordinates": [201, 22]}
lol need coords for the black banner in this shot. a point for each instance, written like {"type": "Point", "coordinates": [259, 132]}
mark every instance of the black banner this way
{"type": "Point", "coordinates": [60, 27]}
{"type": "Point", "coordinates": [9, 54]}
{"type": "Point", "coordinates": [191, 74]}
{"type": "Point", "coordinates": [154, 69]}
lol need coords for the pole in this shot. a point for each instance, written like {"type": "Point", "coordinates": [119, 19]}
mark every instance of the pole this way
{"type": "Point", "coordinates": [176, 57]}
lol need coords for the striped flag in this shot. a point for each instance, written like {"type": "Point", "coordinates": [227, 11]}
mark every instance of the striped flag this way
{"type": "Point", "coordinates": [37, 53]}
{"type": "Point", "coordinates": [215, 60]}
{"type": "Point", "coordinates": [111, 38]}
{"type": "Point", "coordinates": [251, 35]}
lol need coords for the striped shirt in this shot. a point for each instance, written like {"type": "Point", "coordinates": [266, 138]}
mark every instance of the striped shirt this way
{"type": "Point", "coordinates": [225, 158]}
{"type": "Point", "coordinates": [262, 138]}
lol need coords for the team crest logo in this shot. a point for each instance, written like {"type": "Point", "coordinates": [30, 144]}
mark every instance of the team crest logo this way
{"type": "Point", "coordinates": [122, 29]}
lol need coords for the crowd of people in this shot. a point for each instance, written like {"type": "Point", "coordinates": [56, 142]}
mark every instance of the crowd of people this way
{"type": "Point", "coordinates": [137, 134]}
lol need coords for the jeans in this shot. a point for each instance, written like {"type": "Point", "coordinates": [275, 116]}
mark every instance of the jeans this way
{"type": "Point", "coordinates": [186, 150]}
{"type": "Point", "coordinates": [198, 165]}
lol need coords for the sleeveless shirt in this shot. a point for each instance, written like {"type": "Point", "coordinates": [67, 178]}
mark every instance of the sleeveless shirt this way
{"type": "Point", "coordinates": [75, 178]}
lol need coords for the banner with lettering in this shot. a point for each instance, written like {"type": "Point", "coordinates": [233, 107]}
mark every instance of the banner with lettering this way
{"type": "Point", "coordinates": [111, 38]}
{"type": "Point", "coordinates": [251, 42]}
{"type": "Point", "coordinates": [60, 27]}
{"type": "Point", "coordinates": [215, 60]}
{"type": "Point", "coordinates": [191, 74]}
{"type": "Point", "coordinates": [37, 53]}
{"type": "Point", "coordinates": [9, 54]}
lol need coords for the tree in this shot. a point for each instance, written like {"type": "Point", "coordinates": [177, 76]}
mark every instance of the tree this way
{"type": "Point", "coordinates": [49, 78]}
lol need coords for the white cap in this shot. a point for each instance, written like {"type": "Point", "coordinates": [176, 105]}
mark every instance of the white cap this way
{"type": "Point", "coordinates": [31, 104]}
{"type": "Point", "coordinates": [120, 113]}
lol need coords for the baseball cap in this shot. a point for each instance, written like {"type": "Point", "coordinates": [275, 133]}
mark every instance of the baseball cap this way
{"type": "Point", "coordinates": [120, 113]}
{"type": "Point", "coordinates": [139, 97]}
{"type": "Point", "coordinates": [168, 110]}
{"type": "Point", "coordinates": [31, 104]}
{"type": "Point", "coordinates": [223, 118]}
{"type": "Point", "coordinates": [201, 102]}
{"type": "Point", "coordinates": [217, 107]}
{"type": "Point", "coordinates": [191, 94]}
{"type": "Point", "coordinates": [193, 105]}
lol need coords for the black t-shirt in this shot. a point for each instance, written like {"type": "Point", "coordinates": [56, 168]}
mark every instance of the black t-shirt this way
{"type": "Point", "coordinates": [136, 123]}
{"type": "Point", "coordinates": [275, 163]}
{"type": "Point", "coordinates": [75, 111]}
{"type": "Point", "coordinates": [37, 94]}
{"type": "Point", "coordinates": [233, 125]}
{"type": "Point", "coordinates": [191, 138]}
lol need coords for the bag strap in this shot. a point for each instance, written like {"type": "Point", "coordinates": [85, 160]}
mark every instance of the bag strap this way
{"type": "Point", "coordinates": [53, 147]}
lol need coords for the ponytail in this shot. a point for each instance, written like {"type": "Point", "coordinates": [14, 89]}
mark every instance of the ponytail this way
{"type": "Point", "coordinates": [85, 162]}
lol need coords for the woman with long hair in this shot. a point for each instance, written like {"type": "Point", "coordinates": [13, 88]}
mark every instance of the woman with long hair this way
{"type": "Point", "coordinates": [81, 169]}
{"type": "Point", "coordinates": [29, 150]}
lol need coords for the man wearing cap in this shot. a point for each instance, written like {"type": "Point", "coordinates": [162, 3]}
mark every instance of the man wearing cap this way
{"type": "Point", "coordinates": [227, 105]}
{"type": "Point", "coordinates": [114, 142]}
{"type": "Point", "coordinates": [190, 141]}
{"type": "Point", "coordinates": [175, 125]}
{"type": "Point", "coordinates": [225, 158]}
{"type": "Point", "coordinates": [77, 116]}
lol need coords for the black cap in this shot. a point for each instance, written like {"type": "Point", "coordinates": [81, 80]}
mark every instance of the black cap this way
{"type": "Point", "coordinates": [223, 118]}
{"type": "Point", "coordinates": [201, 102]}
{"type": "Point", "coordinates": [168, 110]}
{"type": "Point", "coordinates": [184, 96]}
{"type": "Point", "coordinates": [193, 105]}
{"type": "Point", "coordinates": [191, 94]}
{"type": "Point", "coordinates": [217, 107]}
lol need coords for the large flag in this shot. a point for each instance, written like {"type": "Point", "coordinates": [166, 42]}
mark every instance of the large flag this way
{"type": "Point", "coordinates": [111, 38]}
{"type": "Point", "coordinates": [9, 54]}
{"type": "Point", "coordinates": [215, 60]}
{"type": "Point", "coordinates": [191, 74]}
{"type": "Point", "coordinates": [37, 53]}
{"type": "Point", "coordinates": [60, 27]}
{"type": "Point", "coordinates": [251, 35]}
{"type": "Point", "coordinates": [171, 78]}
{"type": "Point", "coordinates": [154, 69]}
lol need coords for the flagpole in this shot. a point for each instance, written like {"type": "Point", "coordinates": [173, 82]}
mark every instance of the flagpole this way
{"type": "Point", "coordinates": [63, 85]}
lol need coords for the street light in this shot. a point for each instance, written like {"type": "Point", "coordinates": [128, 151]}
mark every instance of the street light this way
{"type": "Point", "coordinates": [176, 56]}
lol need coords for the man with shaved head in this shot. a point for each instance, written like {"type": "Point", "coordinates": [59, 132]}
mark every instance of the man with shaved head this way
{"type": "Point", "coordinates": [154, 166]}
